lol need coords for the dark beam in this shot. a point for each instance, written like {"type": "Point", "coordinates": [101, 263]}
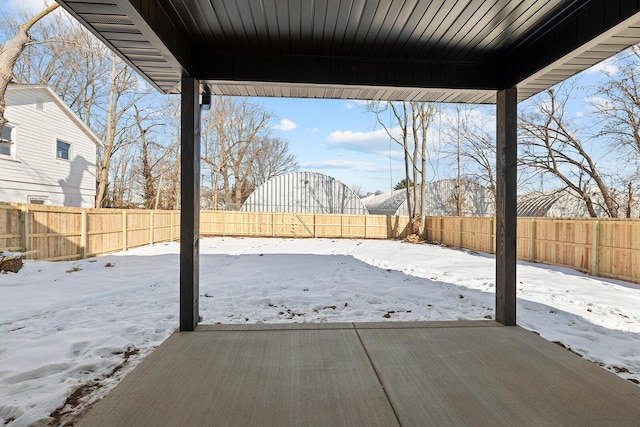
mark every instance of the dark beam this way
{"type": "Point", "coordinates": [316, 69]}
{"type": "Point", "coordinates": [564, 34]}
{"type": "Point", "coordinates": [506, 217]}
{"type": "Point", "coordinates": [189, 205]}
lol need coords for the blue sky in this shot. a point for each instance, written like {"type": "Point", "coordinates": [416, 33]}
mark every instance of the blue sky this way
{"type": "Point", "coordinates": [337, 138]}
{"type": "Point", "coordinates": [340, 138]}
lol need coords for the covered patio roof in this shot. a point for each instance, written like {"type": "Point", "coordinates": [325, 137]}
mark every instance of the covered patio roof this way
{"type": "Point", "coordinates": [413, 50]}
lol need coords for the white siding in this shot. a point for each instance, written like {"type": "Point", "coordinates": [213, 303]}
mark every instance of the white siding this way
{"type": "Point", "coordinates": [35, 170]}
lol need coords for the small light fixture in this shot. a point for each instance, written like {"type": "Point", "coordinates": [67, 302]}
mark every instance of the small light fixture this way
{"type": "Point", "coordinates": [205, 101]}
{"type": "Point", "coordinates": [205, 98]}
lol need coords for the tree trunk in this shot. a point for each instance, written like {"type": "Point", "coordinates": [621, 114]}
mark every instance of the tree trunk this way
{"type": "Point", "coordinates": [415, 114]}
{"type": "Point", "coordinates": [103, 176]}
{"type": "Point", "coordinates": [629, 200]}
{"type": "Point", "coordinates": [10, 52]}
{"type": "Point", "coordinates": [149, 192]}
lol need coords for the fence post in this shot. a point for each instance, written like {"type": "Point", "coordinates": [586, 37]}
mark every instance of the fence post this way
{"type": "Point", "coordinates": [171, 225]}
{"type": "Point", "coordinates": [273, 224]}
{"type": "Point", "coordinates": [25, 228]}
{"type": "Point", "coordinates": [151, 227]}
{"type": "Point", "coordinates": [124, 230]}
{"type": "Point", "coordinates": [315, 221]}
{"type": "Point", "coordinates": [595, 249]}
{"type": "Point", "coordinates": [441, 222]}
{"type": "Point", "coordinates": [532, 243]}
{"type": "Point", "coordinates": [492, 237]}
{"type": "Point", "coordinates": [365, 226]}
{"type": "Point", "coordinates": [83, 234]}
{"type": "Point", "coordinates": [460, 233]}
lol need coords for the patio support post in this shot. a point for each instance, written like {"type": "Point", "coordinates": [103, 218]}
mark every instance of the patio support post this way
{"type": "Point", "coordinates": [506, 215]}
{"type": "Point", "coordinates": [189, 204]}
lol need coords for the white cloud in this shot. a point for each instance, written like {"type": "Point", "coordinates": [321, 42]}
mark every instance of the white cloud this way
{"type": "Point", "coordinates": [608, 66]}
{"type": "Point", "coordinates": [350, 105]}
{"type": "Point", "coordinates": [378, 142]}
{"type": "Point", "coordinates": [373, 142]}
{"type": "Point", "coordinates": [348, 136]}
{"type": "Point", "coordinates": [598, 103]}
{"type": "Point", "coordinates": [285, 125]}
{"type": "Point", "coordinates": [357, 166]}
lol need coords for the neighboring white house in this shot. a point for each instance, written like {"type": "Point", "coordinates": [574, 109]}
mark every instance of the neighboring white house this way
{"type": "Point", "coordinates": [47, 154]}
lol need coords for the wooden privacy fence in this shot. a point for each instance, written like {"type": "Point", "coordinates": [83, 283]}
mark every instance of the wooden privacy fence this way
{"type": "Point", "coordinates": [600, 247]}
{"type": "Point", "coordinates": [60, 233]}
{"type": "Point", "coordinates": [279, 224]}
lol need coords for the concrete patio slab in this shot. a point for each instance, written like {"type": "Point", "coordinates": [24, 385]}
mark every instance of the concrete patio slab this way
{"type": "Point", "coordinates": [281, 377]}
{"type": "Point", "coordinates": [385, 374]}
{"type": "Point", "coordinates": [504, 376]}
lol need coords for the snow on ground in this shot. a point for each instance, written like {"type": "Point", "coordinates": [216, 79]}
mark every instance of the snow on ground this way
{"type": "Point", "coordinates": [71, 330]}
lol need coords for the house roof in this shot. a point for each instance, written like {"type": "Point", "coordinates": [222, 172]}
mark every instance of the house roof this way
{"type": "Point", "coordinates": [44, 89]}
{"type": "Point", "coordinates": [422, 50]}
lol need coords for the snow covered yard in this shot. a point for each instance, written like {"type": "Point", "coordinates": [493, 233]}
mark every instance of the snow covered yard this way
{"type": "Point", "coordinates": [71, 330]}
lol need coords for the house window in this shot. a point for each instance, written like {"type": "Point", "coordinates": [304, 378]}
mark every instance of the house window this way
{"type": "Point", "coordinates": [39, 103]}
{"type": "Point", "coordinates": [6, 140]}
{"type": "Point", "coordinates": [38, 200]}
{"type": "Point", "coordinates": [62, 150]}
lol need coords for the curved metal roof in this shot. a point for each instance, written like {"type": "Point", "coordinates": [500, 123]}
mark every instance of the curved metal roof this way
{"type": "Point", "coordinates": [440, 200]}
{"type": "Point", "coordinates": [423, 50]}
{"type": "Point", "coordinates": [304, 192]}
{"type": "Point", "coordinates": [565, 204]}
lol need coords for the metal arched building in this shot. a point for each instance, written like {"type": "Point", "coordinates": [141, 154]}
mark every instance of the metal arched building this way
{"type": "Point", "coordinates": [304, 192]}
{"type": "Point", "coordinates": [440, 199]}
{"type": "Point", "coordinates": [565, 204]}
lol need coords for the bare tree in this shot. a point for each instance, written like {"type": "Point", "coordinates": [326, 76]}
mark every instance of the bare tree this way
{"type": "Point", "coordinates": [152, 156]}
{"type": "Point", "coordinates": [617, 106]}
{"type": "Point", "coordinates": [123, 94]}
{"type": "Point", "coordinates": [123, 188]}
{"type": "Point", "coordinates": [275, 159]}
{"type": "Point", "coordinates": [238, 151]}
{"type": "Point", "coordinates": [11, 51]}
{"type": "Point", "coordinates": [73, 62]}
{"type": "Point", "coordinates": [213, 157]}
{"type": "Point", "coordinates": [551, 145]}
{"type": "Point", "coordinates": [472, 143]}
{"type": "Point", "coordinates": [167, 171]}
{"type": "Point", "coordinates": [409, 129]}
{"type": "Point", "coordinates": [617, 103]}
{"type": "Point", "coordinates": [422, 113]}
